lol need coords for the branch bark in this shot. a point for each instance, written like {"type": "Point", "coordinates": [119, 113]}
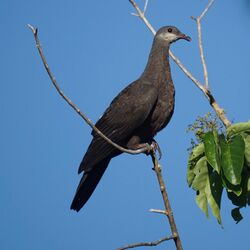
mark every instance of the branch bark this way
{"type": "Point", "coordinates": [214, 104]}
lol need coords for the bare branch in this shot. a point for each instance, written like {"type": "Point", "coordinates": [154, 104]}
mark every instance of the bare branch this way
{"type": "Point", "coordinates": [144, 9]}
{"type": "Point", "coordinates": [202, 53]}
{"type": "Point", "coordinates": [198, 22]}
{"type": "Point", "coordinates": [147, 244]}
{"type": "Point", "coordinates": [145, 6]}
{"type": "Point", "coordinates": [219, 111]}
{"type": "Point", "coordinates": [142, 16]}
{"type": "Point", "coordinates": [206, 9]}
{"type": "Point", "coordinates": [54, 82]}
{"type": "Point", "coordinates": [158, 211]}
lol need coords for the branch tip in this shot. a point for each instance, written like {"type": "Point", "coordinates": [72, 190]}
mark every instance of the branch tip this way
{"type": "Point", "coordinates": [159, 211]}
{"type": "Point", "coordinates": [33, 29]}
{"type": "Point", "coordinates": [206, 9]}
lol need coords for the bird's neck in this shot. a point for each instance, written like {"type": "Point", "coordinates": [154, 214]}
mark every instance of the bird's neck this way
{"type": "Point", "coordinates": [158, 64]}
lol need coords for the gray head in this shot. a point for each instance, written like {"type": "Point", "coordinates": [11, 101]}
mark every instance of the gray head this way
{"type": "Point", "coordinates": [170, 34]}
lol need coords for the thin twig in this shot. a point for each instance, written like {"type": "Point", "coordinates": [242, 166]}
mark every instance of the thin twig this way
{"type": "Point", "coordinates": [144, 9]}
{"type": "Point", "coordinates": [142, 16]}
{"type": "Point", "coordinates": [219, 111]}
{"type": "Point", "coordinates": [158, 211]}
{"type": "Point", "coordinates": [206, 9]}
{"type": "Point", "coordinates": [54, 82]}
{"type": "Point", "coordinates": [198, 22]}
{"type": "Point", "coordinates": [145, 6]}
{"type": "Point", "coordinates": [147, 244]}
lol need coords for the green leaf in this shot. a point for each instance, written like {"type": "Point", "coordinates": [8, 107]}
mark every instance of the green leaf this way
{"type": "Point", "coordinates": [236, 214]}
{"type": "Point", "coordinates": [211, 149]}
{"type": "Point", "coordinates": [232, 158]}
{"type": "Point", "coordinates": [209, 189]}
{"type": "Point", "coordinates": [243, 199]}
{"type": "Point", "coordinates": [196, 152]}
{"type": "Point", "coordinates": [236, 189]}
{"type": "Point", "coordinates": [195, 155]}
{"type": "Point", "coordinates": [201, 174]}
{"type": "Point", "coordinates": [199, 183]}
{"type": "Point", "coordinates": [247, 149]}
{"type": "Point", "coordinates": [190, 176]}
{"type": "Point", "coordinates": [201, 201]}
{"type": "Point", "coordinates": [213, 192]}
{"type": "Point", "coordinates": [238, 128]}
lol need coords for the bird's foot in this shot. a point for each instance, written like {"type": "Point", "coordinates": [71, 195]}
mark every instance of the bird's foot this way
{"type": "Point", "coordinates": [156, 148]}
{"type": "Point", "coordinates": [148, 148]}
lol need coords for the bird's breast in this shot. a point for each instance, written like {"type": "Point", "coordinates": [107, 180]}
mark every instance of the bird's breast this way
{"type": "Point", "coordinates": [164, 107]}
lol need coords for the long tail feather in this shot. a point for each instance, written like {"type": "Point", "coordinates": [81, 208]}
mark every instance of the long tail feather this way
{"type": "Point", "coordinates": [88, 184]}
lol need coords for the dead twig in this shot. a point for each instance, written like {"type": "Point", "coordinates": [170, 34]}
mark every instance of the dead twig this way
{"type": "Point", "coordinates": [147, 244]}
{"type": "Point", "coordinates": [54, 82]}
{"type": "Point", "coordinates": [144, 9]}
{"type": "Point", "coordinates": [219, 111]}
{"type": "Point", "coordinates": [158, 211]}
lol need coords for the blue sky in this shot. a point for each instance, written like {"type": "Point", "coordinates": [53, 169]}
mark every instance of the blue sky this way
{"type": "Point", "coordinates": [95, 50]}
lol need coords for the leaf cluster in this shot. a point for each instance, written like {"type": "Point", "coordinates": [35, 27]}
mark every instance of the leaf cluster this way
{"type": "Point", "coordinates": [220, 161]}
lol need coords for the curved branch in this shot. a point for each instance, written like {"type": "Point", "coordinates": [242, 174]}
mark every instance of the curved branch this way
{"type": "Point", "coordinates": [85, 118]}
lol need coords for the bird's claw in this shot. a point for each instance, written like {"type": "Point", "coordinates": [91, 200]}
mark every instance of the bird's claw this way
{"type": "Point", "coordinates": [156, 148]}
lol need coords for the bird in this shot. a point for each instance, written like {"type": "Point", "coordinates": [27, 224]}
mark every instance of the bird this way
{"type": "Point", "coordinates": [134, 117]}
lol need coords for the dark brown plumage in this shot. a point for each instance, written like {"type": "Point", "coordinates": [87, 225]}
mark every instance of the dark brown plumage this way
{"type": "Point", "coordinates": [134, 117]}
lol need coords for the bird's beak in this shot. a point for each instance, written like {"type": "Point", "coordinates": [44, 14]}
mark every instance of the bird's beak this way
{"type": "Point", "coordinates": [183, 36]}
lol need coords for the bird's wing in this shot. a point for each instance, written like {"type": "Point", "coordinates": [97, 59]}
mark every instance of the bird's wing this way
{"type": "Point", "coordinates": [125, 114]}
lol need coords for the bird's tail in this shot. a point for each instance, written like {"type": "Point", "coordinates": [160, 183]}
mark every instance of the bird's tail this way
{"type": "Point", "coordinates": [88, 183]}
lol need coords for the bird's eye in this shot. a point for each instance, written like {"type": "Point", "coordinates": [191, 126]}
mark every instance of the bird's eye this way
{"type": "Point", "coordinates": [170, 30]}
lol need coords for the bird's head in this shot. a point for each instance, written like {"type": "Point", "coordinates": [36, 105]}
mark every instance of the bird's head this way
{"type": "Point", "coordinates": [170, 34]}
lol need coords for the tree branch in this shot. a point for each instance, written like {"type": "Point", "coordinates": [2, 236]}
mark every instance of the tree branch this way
{"type": "Point", "coordinates": [219, 111]}
{"type": "Point", "coordinates": [85, 118]}
{"type": "Point", "coordinates": [147, 244]}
